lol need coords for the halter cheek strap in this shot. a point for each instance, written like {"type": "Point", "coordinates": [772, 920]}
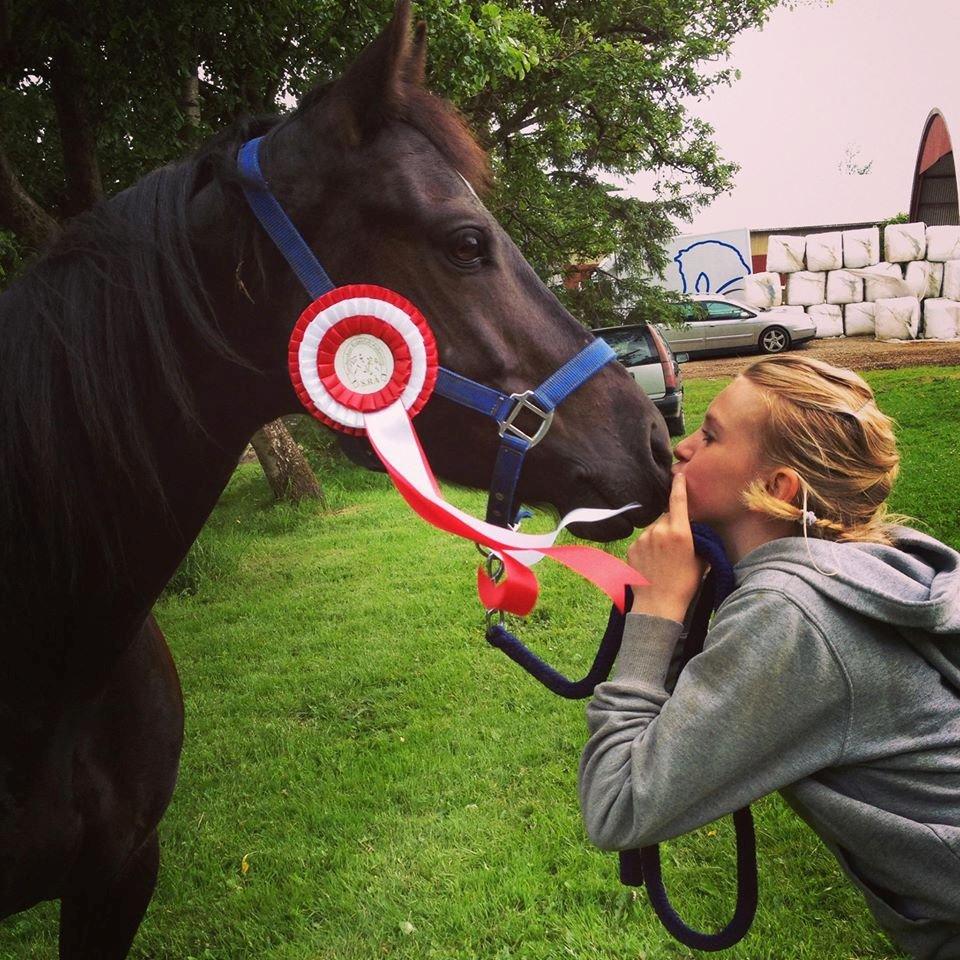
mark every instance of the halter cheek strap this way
{"type": "Point", "coordinates": [273, 218]}
{"type": "Point", "coordinates": [506, 408]}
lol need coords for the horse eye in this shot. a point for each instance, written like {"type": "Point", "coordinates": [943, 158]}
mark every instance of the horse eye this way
{"type": "Point", "coordinates": [466, 246]}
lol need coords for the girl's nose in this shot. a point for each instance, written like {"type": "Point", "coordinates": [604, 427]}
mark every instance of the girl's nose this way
{"type": "Point", "coordinates": [682, 450]}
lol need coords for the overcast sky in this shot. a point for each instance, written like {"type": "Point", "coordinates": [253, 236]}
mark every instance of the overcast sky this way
{"type": "Point", "coordinates": [859, 76]}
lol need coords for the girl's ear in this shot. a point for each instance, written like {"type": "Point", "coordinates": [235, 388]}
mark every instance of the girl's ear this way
{"type": "Point", "coordinates": [784, 484]}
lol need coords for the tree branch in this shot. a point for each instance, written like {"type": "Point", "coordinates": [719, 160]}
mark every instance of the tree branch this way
{"type": "Point", "coordinates": [633, 30]}
{"type": "Point", "coordinates": [19, 212]}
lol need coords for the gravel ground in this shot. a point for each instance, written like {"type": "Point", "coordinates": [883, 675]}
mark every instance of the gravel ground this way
{"type": "Point", "coordinates": [857, 353]}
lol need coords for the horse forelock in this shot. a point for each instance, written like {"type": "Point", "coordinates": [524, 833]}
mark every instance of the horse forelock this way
{"type": "Point", "coordinates": [440, 122]}
{"type": "Point", "coordinates": [434, 117]}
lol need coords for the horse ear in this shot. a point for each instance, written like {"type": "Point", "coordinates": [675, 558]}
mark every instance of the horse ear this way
{"type": "Point", "coordinates": [417, 63]}
{"type": "Point", "coordinates": [371, 92]}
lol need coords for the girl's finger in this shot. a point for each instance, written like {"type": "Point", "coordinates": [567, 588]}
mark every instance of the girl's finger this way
{"type": "Point", "coordinates": [678, 501]}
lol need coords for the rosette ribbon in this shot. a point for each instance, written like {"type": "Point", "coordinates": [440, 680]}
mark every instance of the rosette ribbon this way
{"type": "Point", "coordinates": [363, 360]}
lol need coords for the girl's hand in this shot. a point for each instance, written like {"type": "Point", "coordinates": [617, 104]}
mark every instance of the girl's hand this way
{"type": "Point", "coordinates": [663, 553]}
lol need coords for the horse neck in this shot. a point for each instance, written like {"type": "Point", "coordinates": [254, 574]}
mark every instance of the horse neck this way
{"type": "Point", "coordinates": [76, 631]}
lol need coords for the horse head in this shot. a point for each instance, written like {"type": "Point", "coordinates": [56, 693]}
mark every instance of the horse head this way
{"type": "Point", "coordinates": [384, 181]}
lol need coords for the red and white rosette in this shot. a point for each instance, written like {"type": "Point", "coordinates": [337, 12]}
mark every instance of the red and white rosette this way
{"type": "Point", "coordinates": [359, 349]}
{"type": "Point", "coordinates": [363, 360]}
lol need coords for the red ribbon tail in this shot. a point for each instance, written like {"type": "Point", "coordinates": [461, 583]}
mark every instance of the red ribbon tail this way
{"type": "Point", "coordinates": [609, 573]}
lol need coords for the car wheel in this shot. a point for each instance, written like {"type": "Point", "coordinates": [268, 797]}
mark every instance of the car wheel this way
{"type": "Point", "coordinates": [676, 426]}
{"type": "Point", "coordinates": [774, 340]}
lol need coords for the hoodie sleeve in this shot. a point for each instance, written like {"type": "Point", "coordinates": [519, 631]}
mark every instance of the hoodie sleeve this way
{"type": "Point", "coordinates": [766, 703]}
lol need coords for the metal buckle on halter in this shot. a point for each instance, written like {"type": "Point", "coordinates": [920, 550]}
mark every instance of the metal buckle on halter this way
{"type": "Point", "coordinates": [523, 403]}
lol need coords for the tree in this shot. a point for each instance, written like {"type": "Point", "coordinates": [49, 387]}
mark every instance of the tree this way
{"type": "Point", "coordinates": [566, 96]}
{"type": "Point", "coordinates": [80, 72]}
{"type": "Point", "coordinates": [284, 465]}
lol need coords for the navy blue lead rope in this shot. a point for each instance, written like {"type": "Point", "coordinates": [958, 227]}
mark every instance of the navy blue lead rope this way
{"type": "Point", "coordinates": [643, 865]}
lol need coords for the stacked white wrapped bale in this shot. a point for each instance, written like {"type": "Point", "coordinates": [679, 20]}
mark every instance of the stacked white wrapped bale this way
{"type": "Point", "coordinates": [806, 288]}
{"type": "Point", "coordinates": [898, 318]}
{"type": "Point", "coordinates": [763, 290]}
{"type": "Point", "coordinates": [951, 280]}
{"type": "Point", "coordinates": [861, 248]}
{"type": "Point", "coordinates": [924, 278]}
{"type": "Point", "coordinates": [860, 319]}
{"type": "Point", "coordinates": [903, 242]}
{"type": "Point", "coordinates": [882, 281]}
{"type": "Point", "coordinates": [844, 287]}
{"type": "Point", "coordinates": [824, 251]}
{"type": "Point", "coordinates": [941, 319]}
{"type": "Point", "coordinates": [785, 254]}
{"type": "Point", "coordinates": [828, 319]}
{"type": "Point", "coordinates": [943, 243]}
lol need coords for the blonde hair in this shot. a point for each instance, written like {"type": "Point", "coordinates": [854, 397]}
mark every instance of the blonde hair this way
{"type": "Point", "coordinates": [824, 423]}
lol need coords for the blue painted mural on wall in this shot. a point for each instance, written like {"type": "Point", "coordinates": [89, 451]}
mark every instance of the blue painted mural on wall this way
{"type": "Point", "coordinates": [711, 266]}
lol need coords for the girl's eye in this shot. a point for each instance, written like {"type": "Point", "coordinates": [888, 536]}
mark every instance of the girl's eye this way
{"type": "Point", "coordinates": [466, 246]}
{"type": "Point", "coordinates": [707, 437]}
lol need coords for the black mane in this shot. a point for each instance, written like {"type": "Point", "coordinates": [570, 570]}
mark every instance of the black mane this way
{"type": "Point", "coordinates": [86, 340]}
{"type": "Point", "coordinates": [84, 337]}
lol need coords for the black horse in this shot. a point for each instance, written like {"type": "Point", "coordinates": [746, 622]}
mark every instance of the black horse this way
{"type": "Point", "coordinates": [136, 359]}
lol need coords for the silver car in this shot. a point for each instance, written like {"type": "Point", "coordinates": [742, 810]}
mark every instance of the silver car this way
{"type": "Point", "coordinates": [715, 324]}
{"type": "Point", "coordinates": [645, 354]}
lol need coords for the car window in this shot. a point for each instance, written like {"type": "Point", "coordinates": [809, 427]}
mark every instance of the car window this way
{"type": "Point", "coordinates": [632, 347]}
{"type": "Point", "coordinates": [718, 310]}
{"type": "Point", "coordinates": [691, 312]}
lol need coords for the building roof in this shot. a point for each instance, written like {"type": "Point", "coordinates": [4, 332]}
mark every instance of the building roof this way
{"type": "Point", "coordinates": [933, 195]}
{"type": "Point", "coordinates": [816, 228]}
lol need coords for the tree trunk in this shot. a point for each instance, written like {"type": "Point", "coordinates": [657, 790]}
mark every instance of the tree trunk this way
{"type": "Point", "coordinates": [284, 464]}
{"type": "Point", "coordinates": [78, 136]}
{"type": "Point", "coordinates": [190, 106]}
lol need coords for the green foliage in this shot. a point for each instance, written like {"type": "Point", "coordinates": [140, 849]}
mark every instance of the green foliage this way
{"type": "Point", "coordinates": [318, 443]}
{"type": "Point", "coordinates": [11, 257]}
{"type": "Point", "coordinates": [883, 224]}
{"type": "Point", "coordinates": [896, 218]}
{"type": "Point", "coordinates": [565, 96]}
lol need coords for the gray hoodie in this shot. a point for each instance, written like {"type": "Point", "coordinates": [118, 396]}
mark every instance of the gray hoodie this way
{"type": "Point", "coordinates": [837, 686]}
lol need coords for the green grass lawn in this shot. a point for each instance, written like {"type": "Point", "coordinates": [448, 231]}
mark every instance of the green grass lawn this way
{"type": "Point", "coordinates": [363, 777]}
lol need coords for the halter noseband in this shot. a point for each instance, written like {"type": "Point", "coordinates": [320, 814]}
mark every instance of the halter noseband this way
{"type": "Point", "coordinates": [503, 408]}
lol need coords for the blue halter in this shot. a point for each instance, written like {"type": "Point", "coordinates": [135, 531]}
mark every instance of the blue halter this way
{"type": "Point", "coordinates": [503, 408]}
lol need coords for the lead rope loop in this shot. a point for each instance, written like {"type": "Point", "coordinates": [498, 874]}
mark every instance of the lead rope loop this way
{"type": "Point", "coordinates": [643, 865]}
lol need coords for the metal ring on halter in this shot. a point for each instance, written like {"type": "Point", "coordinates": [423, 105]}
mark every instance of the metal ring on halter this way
{"type": "Point", "coordinates": [489, 616]}
{"type": "Point", "coordinates": [494, 567]}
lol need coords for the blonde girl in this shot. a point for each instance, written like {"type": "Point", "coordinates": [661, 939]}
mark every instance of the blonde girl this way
{"type": "Point", "coordinates": [831, 673]}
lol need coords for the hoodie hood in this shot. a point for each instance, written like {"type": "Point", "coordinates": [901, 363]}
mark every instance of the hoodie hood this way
{"type": "Point", "coordinates": [914, 585]}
